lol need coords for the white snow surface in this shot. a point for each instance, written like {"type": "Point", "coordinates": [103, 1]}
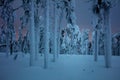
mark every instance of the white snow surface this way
{"type": "Point", "coordinates": [67, 67]}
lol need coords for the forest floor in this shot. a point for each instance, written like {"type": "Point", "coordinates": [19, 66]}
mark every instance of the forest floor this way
{"type": "Point", "coordinates": [67, 67]}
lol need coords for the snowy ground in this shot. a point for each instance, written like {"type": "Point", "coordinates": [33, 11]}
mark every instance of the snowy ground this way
{"type": "Point", "coordinates": [67, 67]}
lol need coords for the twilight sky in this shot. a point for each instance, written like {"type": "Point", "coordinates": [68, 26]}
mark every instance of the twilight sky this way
{"type": "Point", "coordinates": [83, 14]}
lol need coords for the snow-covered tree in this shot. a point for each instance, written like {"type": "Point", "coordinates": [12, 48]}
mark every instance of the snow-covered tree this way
{"type": "Point", "coordinates": [20, 39]}
{"type": "Point", "coordinates": [41, 44]}
{"type": "Point", "coordinates": [84, 41]}
{"type": "Point", "coordinates": [102, 8]}
{"type": "Point", "coordinates": [46, 34]}
{"type": "Point", "coordinates": [32, 34]}
{"type": "Point", "coordinates": [7, 14]}
{"type": "Point", "coordinates": [2, 35]}
{"type": "Point", "coordinates": [55, 34]}
{"type": "Point", "coordinates": [107, 30]}
{"type": "Point", "coordinates": [97, 26]}
{"type": "Point", "coordinates": [116, 44]}
{"type": "Point", "coordinates": [101, 43]}
{"type": "Point", "coordinates": [28, 7]}
{"type": "Point", "coordinates": [60, 12]}
{"type": "Point", "coordinates": [62, 42]}
{"type": "Point", "coordinates": [67, 45]}
{"type": "Point", "coordinates": [37, 28]}
{"type": "Point", "coordinates": [25, 45]}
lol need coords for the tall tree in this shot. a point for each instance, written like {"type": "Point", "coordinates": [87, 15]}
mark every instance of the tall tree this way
{"type": "Point", "coordinates": [32, 34]}
{"type": "Point", "coordinates": [46, 47]}
{"type": "Point", "coordinates": [37, 28]}
{"type": "Point", "coordinates": [103, 8]}
{"type": "Point", "coordinates": [107, 30]}
{"type": "Point", "coordinates": [71, 20]}
{"type": "Point", "coordinates": [55, 31]}
{"type": "Point", "coordinates": [97, 26]}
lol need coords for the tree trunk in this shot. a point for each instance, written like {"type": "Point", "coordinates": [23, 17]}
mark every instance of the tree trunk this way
{"type": "Point", "coordinates": [32, 35]}
{"type": "Point", "coordinates": [55, 34]}
{"type": "Point", "coordinates": [59, 31]}
{"type": "Point", "coordinates": [37, 37]}
{"type": "Point", "coordinates": [7, 46]}
{"type": "Point", "coordinates": [96, 45]}
{"type": "Point", "coordinates": [96, 37]}
{"type": "Point", "coordinates": [37, 33]}
{"type": "Point", "coordinates": [108, 44]}
{"type": "Point", "coordinates": [46, 34]}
